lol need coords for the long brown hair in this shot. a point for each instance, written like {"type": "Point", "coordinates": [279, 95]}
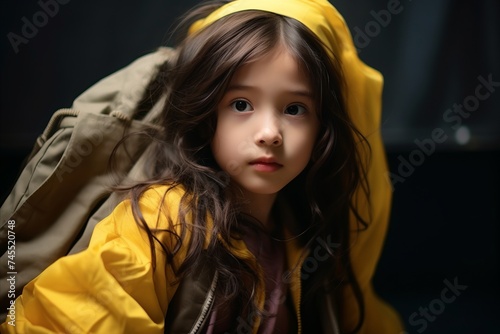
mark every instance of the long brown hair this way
{"type": "Point", "coordinates": [321, 196]}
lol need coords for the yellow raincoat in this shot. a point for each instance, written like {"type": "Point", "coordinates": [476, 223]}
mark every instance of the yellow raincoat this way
{"type": "Point", "coordinates": [111, 287]}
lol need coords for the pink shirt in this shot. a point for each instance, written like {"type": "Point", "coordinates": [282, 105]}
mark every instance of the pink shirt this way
{"type": "Point", "coordinates": [270, 254]}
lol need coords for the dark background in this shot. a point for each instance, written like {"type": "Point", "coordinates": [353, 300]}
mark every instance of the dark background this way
{"type": "Point", "coordinates": [446, 209]}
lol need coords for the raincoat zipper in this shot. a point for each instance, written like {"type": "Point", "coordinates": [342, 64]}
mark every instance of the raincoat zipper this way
{"type": "Point", "coordinates": [207, 306]}
{"type": "Point", "coordinates": [299, 309]}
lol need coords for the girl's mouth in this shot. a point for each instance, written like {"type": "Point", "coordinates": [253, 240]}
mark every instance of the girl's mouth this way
{"type": "Point", "coordinates": [265, 165]}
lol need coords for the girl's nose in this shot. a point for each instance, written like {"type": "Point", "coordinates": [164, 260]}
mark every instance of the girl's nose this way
{"type": "Point", "coordinates": [269, 133]}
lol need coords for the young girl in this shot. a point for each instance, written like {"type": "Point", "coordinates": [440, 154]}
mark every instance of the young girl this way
{"type": "Point", "coordinates": [267, 204]}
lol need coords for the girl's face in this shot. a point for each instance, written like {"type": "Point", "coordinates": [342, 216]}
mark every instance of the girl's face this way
{"type": "Point", "coordinates": [266, 124]}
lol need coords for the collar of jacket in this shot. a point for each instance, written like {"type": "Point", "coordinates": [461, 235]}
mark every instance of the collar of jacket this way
{"type": "Point", "coordinates": [191, 306]}
{"type": "Point", "coordinates": [192, 303]}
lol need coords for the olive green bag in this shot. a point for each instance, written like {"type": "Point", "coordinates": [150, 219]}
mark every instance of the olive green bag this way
{"type": "Point", "coordinates": [64, 188]}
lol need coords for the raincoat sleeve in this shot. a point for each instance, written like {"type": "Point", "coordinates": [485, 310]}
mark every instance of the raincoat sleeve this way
{"type": "Point", "coordinates": [111, 287]}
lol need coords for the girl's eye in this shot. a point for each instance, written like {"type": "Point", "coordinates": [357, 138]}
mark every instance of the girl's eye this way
{"type": "Point", "coordinates": [241, 106]}
{"type": "Point", "coordinates": [295, 110]}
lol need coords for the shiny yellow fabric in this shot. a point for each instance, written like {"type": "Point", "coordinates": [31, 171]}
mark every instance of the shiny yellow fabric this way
{"type": "Point", "coordinates": [111, 287]}
{"type": "Point", "coordinates": [364, 99]}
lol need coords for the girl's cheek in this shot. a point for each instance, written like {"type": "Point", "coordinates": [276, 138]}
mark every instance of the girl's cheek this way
{"type": "Point", "coordinates": [234, 168]}
{"type": "Point", "coordinates": [246, 148]}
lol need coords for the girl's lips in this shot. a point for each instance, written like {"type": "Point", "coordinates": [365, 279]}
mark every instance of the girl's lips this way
{"type": "Point", "coordinates": [265, 165]}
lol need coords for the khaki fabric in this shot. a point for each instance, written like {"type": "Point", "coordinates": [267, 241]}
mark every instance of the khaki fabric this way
{"type": "Point", "coordinates": [64, 189]}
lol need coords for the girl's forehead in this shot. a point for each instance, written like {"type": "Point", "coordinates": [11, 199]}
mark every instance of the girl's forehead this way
{"type": "Point", "coordinates": [276, 72]}
{"type": "Point", "coordinates": [281, 56]}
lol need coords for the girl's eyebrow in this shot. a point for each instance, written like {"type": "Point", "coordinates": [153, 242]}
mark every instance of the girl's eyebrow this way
{"type": "Point", "coordinates": [241, 87]}
{"type": "Point", "coordinates": [301, 92]}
